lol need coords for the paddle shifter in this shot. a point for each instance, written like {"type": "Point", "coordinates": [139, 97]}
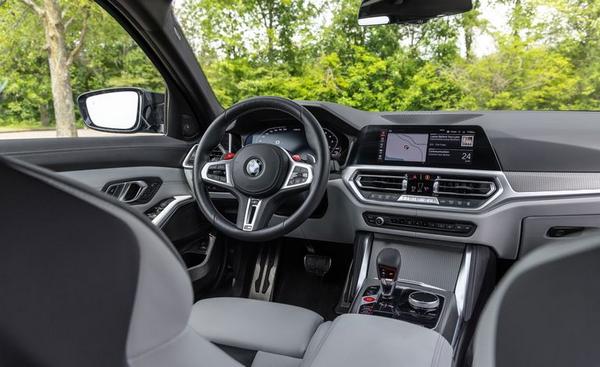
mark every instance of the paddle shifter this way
{"type": "Point", "coordinates": [388, 267]}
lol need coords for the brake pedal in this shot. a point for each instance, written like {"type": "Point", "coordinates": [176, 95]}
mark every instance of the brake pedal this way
{"type": "Point", "coordinates": [317, 264]}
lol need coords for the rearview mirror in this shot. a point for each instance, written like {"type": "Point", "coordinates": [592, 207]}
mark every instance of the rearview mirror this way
{"type": "Point", "coordinates": [124, 110]}
{"type": "Point", "coordinates": [377, 12]}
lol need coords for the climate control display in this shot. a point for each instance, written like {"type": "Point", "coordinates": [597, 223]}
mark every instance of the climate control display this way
{"type": "Point", "coordinates": [420, 184]}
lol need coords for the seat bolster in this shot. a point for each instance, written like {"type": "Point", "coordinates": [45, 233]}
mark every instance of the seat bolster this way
{"type": "Point", "coordinates": [255, 325]}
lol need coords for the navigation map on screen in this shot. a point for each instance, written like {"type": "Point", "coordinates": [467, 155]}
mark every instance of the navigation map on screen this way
{"type": "Point", "coordinates": [406, 147]}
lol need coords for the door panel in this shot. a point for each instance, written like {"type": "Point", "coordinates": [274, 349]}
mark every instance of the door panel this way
{"type": "Point", "coordinates": [70, 154]}
{"type": "Point", "coordinates": [97, 162]}
{"type": "Point", "coordinates": [100, 162]}
{"type": "Point", "coordinates": [173, 181]}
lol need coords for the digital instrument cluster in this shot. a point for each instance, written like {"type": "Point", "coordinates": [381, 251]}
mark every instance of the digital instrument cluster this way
{"type": "Point", "coordinates": [293, 139]}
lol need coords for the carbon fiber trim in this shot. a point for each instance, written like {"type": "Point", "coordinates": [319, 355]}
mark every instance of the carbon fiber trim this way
{"type": "Point", "coordinates": [552, 181]}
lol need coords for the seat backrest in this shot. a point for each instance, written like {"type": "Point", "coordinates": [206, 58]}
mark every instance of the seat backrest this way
{"type": "Point", "coordinates": [84, 281]}
{"type": "Point", "coordinates": [546, 310]}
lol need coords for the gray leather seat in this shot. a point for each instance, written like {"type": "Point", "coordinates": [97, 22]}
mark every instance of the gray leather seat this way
{"type": "Point", "coordinates": [546, 310]}
{"type": "Point", "coordinates": [256, 325]}
{"type": "Point", "coordinates": [355, 340]}
{"type": "Point", "coordinates": [86, 281]}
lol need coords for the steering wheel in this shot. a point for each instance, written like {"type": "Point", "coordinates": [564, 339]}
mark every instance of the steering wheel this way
{"type": "Point", "coordinates": [261, 176]}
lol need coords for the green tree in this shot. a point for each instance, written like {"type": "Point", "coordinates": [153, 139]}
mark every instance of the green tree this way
{"type": "Point", "coordinates": [26, 98]}
{"type": "Point", "coordinates": [61, 57]}
{"type": "Point", "coordinates": [310, 49]}
{"type": "Point", "coordinates": [518, 77]}
{"type": "Point", "coordinates": [108, 58]}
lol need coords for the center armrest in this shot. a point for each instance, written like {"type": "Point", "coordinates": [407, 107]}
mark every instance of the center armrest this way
{"type": "Point", "coordinates": [355, 340]}
{"type": "Point", "coordinates": [255, 325]}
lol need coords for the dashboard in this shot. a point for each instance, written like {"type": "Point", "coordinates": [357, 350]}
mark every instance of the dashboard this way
{"type": "Point", "coordinates": [500, 179]}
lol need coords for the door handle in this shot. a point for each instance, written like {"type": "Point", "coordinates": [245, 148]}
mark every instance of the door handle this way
{"type": "Point", "coordinates": [128, 191]}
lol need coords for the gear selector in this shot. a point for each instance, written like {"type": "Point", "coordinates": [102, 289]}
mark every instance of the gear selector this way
{"type": "Point", "coordinates": [399, 299]}
{"type": "Point", "coordinates": [388, 267]}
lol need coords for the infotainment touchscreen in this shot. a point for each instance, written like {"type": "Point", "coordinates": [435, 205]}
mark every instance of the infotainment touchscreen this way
{"type": "Point", "coordinates": [449, 146]}
{"type": "Point", "coordinates": [436, 146]}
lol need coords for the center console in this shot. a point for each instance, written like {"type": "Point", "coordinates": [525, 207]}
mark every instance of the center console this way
{"type": "Point", "coordinates": [408, 308]}
{"type": "Point", "coordinates": [398, 302]}
{"type": "Point", "coordinates": [394, 299]}
{"type": "Point", "coordinates": [428, 183]}
{"type": "Point", "coordinates": [417, 281]}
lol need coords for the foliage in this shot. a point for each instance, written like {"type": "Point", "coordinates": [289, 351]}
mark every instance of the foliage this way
{"type": "Point", "coordinates": [547, 57]}
{"type": "Point", "coordinates": [109, 58]}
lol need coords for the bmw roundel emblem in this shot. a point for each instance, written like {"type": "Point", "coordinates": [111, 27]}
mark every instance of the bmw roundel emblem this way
{"type": "Point", "coordinates": [254, 167]}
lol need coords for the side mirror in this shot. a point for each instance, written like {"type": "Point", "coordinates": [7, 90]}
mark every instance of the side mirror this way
{"type": "Point", "coordinates": [377, 12]}
{"type": "Point", "coordinates": [124, 110]}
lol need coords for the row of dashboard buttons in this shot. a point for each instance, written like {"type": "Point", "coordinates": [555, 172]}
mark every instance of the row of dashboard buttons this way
{"type": "Point", "coordinates": [419, 199]}
{"type": "Point", "coordinates": [427, 200]}
{"type": "Point", "coordinates": [419, 224]}
{"type": "Point", "coordinates": [379, 196]}
{"type": "Point", "coordinates": [460, 203]}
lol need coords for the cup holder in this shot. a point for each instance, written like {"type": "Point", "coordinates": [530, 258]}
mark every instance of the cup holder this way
{"type": "Point", "coordinates": [192, 259]}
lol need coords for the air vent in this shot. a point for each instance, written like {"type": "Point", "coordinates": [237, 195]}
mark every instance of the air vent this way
{"type": "Point", "coordinates": [465, 188]}
{"type": "Point", "coordinates": [381, 182]}
{"type": "Point", "coordinates": [215, 155]}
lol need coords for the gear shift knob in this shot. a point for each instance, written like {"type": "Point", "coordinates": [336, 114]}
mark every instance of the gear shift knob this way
{"type": "Point", "coordinates": [388, 267]}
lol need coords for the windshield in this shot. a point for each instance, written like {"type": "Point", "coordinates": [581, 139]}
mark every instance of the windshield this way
{"type": "Point", "coordinates": [504, 55]}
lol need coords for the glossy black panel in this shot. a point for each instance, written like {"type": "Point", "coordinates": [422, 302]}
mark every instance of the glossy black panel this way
{"type": "Point", "coordinates": [398, 307]}
{"type": "Point", "coordinates": [436, 147]}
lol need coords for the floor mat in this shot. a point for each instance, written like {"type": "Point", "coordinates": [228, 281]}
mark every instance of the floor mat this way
{"type": "Point", "coordinates": [297, 287]}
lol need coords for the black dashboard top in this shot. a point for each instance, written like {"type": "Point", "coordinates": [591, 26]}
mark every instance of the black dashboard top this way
{"type": "Point", "coordinates": [518, 141]}
{"type": "Point", "coordinates": [523, 141]}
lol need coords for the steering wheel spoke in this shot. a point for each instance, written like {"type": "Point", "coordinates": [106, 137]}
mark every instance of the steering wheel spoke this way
{"type": "Point", "coordinates": [218, 173]}
{"type": "Point", "coordinates": [300, 176]}
{"type": "Point", "coordinates": [254, 213]}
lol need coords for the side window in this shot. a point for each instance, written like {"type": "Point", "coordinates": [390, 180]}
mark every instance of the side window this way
{"type": "Point", "coordinates": [53, 51]}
